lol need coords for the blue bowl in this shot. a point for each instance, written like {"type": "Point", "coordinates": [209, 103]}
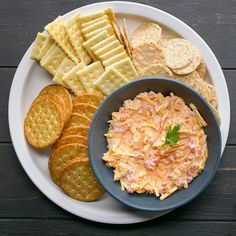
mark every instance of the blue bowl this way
{"type": "Point", "coordinates": [97, 144]}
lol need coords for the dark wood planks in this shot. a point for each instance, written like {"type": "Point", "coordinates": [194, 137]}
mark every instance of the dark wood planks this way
{"type": "Point", "coordinates": [81, 228]}
{"type": "Point", "coordinates": [21, 20]}
{"type": "Point", "coordinates": [19, 198]}
{"type": "Point", "coordinates": [7, 74]}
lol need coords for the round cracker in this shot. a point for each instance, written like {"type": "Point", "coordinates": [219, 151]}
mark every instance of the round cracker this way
{"type": "Point", "coordinates": [78, 119]}
{"type": "Point", "coordinates": [178, 53]}
{"type": "Point", "coordinates": [188, 79]}
{"type": "Point", "coordinates": [44, 122]}
{"type": "Point", "coordinates": [146, 55]}
{"type": "Point", "coordinates": [216, 113]}
{"type": "Point", "coordinates": [62, 155]}
{"type": "Point", "coordinates": [156, 70]}
{"type": "Point", "coordinates": [76, 130]}
{"type": "Point", "coordinates": [91, 98]}
{"type": "Point", "coordinates": [79, 182]}
{"type": "Point", "coordinates": [71, 139]}
{"type": "Point", "coordinates": [202, 69]}
{"type": "Point", "coordinates": [85, 109]}
{"type": "Point", "coordinates": [63, 93]}
{"type": "Point", "coordinates": [147, 32]}
{"type": "Point", "coordinates": [191, 66]}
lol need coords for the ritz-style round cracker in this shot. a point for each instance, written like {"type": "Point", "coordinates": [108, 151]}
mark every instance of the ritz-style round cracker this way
{"type": "Point", "coordinates": [147, 32]}
{"type": "Point", "coordinates": [78, 119]}
{"type": "Point", "coordinates": [80, 130]}
{"type": "Point", "coordinates": [85, 109]}
{"type": "Point", "coordinates": [178, 53]}
{"type": "Point", "coordinates": [44, 122]}
{"type": "Point", "coordinates": [156, 70]}
{"type": "Point", "coordinates": [191, 66]}
{"type": "Point", "coordinates": [71, 139]}
{"type": "Point", "coordinates": [79, 182]}
{"type": "Point", "coordinates": [64, 95]}
{"type": "Point", "coordinates": [146, 54]}
{"type": "Point", "coordinates": [202, 69]}
{"type": "Point", "coordinates": [60, 156]}
{"type": "Point", "coordinates": [90, 98]}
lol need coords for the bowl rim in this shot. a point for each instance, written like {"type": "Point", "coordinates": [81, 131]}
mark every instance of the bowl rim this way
{"type": "Point", "coordinates": [218, 147]}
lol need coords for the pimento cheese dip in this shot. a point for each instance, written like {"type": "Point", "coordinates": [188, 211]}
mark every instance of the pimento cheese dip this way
{"type": "Point", "coordinates": [137, 150]}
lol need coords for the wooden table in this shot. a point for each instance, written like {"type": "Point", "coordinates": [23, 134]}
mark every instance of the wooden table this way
{"type": "Point", "coordinates": [24, 210]}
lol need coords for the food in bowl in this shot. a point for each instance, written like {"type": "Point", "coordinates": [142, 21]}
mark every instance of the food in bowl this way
{"type": "Point", "coordinates": [156, 144]}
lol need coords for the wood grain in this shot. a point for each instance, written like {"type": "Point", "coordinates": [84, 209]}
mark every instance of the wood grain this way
{"type": "Point", "coordinates": [21, 20]}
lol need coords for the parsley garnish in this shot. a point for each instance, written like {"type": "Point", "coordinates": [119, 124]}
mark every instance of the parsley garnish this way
{"type": "Point", "coordinates": [172, 136]}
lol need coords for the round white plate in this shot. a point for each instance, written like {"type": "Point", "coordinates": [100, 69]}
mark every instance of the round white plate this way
{"type": "Point", "coordinates": [30, 78]}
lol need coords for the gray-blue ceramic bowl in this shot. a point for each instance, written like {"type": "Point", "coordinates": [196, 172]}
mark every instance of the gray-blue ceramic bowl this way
{"type": "Point", "coordinates": [97, 144]}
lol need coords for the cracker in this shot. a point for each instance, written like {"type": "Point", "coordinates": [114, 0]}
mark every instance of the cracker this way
{"type": "Point", "coordinates": [216, 113]}
{"type": "Point", "coordinates": [112, 53]}
{"type": "Point", "coordinates": [44, 122]}
{"type": "Point", "coordinates": [178, 53]}
{"type": "Point", "coordinates": [72, 27]}
{"type": "Point", "coordinates": [126, 68]}
{"type": "Point", "coordinates": [107, 28]}
{"type": "Point", "coordinates": [188, 79]}
{"type": "Point", "coordinates": [49, 51]}
{"type": "Point", "coordinates": [58, 32]}
{"type": "Point", "coordinates": [63, 94]}
{"type": "Point", "coordinates": [89, 74]}
{"type": "Point", "coordinates": [93, 41]}
{"type": "Point", "coordinates": [61, 156]}
{"type": "Point", "coordinates": [52, 60]}
{"type": "Point", "coordinates": [80, 130]}
{"type": "Point", "coordinates": [91, 17]}
{"type": "Point", "coordinates": [71, 139]}
{"type": "Point", "coordinates": [72, 81]}
{"type": "Point", "coordinates": [79, 182]}
{"type": "Point", "coordinates": [95, 26]}
{"type": "Point", "coordinates": [156, 70]}
{"type": "Point", "coordinates": [147, 32]}
{"type": "Point", "coordinates": [92, 22]}
{"type": "Point", "coordinates": [90, 98]}
{"type": "Point", "coordinates": [103, 43]}
{"type": "Point", "coordinates": [147, 54]}
{"type": "Point", "coordinates": [191, 66]}
{"type": "Point", "coordinates": [77, 119]}
{"type": "Point", "coordinates": [85, 109]}
{"type": "Point", "coordinates": [202, 69]}
{"type": "Point", "coordinates": [198, 115]}
{"type": "Point", "coordinates": [38, 44]}
{"type": "Point", "coordinates": [117, 32]}
{"type": "Point", "coordinates": [108, 47]}
{"type": "Point", "coordinates": [64, 67]}
{"type": "Point", "coordinates": [110, 80]}
{"type": "Point", "coordinates": [115, 59]}
{"type": "Point", "coordinates": [47, 44]}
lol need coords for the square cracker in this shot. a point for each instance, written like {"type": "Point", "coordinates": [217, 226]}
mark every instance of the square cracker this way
{"type": "Point", "coordinates": [114, 59]}
{"type": "Point", "coordinates": [53, 59]}
{"type": "Point", "coordinates": [64, 67]}
{"type": "Point", "coordinates": [95, 26]}
{"type": "Point", "coordinates": [108, 47]}
{"type": "Point", "coordinates": [72, 27]}
{"type": "Point", "coordinates": [38, 44]}
{"type": "Point", "coordinates": [72, 81]}
{"type": "Point", "coordinates": [112, 53]}
{"type": "Point", "coordinates": [103, 43]}
{"type": "Point", "coordinates": [47, 44]}
{"type": "Point", "coordinates": [93, 41]}
{"type": "Point", "coordinates": [58, 32]}
{"type": "Point", "coordinates": [110, 80]}
{"type": "Point", "coordinates": [86, 24]}
{"type": "Point", "coordinates": [89, 75]}
{"type": "Point", "coordinates": [126, 68]}
{"type": "Point", "coordinates": [107, 28]}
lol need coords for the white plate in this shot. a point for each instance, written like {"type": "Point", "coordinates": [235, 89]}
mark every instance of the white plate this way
{"type": "Point", "coordinates": [30, 78]}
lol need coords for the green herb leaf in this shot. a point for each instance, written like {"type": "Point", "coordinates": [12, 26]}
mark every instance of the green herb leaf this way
{"type": "Point", "coordinates": [172, 136]}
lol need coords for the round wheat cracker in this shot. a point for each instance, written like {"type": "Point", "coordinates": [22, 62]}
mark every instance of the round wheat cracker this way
{"type": "Point", "coordinates": [85, 109]}
{"type": "Point", "coordinates": [91, 98]}
{"type": "Point", "coordinates": [78, 119]}
{"type": "Point", "coordinates": [81, 130]}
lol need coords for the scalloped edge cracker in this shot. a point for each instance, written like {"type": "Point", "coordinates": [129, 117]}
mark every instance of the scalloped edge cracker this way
{"type": "Point", "coordinates": [72, 27]}
{"type": "Point", "coordinates": [53, 60]}
{"type": "Point", "coordinates": [115, 58]}
{"type": "Point", "coordinates": [110, 80]}
{"type": "Point", "coordinates": [38, 44]}
{"type": "Point", "coordinates": [126, 68]}
{"type": "Point", "coordinates": [72, 80]}
{"type": "Point", "coordinates": [64, 67]}
{"type": "Point", "coordinates": [46, 46]}
{"type": "Point", "coordinates": [58, 32]}
{"type": "Point", "coordinates": [89, 75]}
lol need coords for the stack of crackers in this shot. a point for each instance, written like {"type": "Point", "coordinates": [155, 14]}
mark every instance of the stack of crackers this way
{"type": "Point", "coordinates": [85, 53]}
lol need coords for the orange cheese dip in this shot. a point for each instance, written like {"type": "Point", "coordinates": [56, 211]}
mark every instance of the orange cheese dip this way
{"type": "Point", "coordinates": [137, 150]}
